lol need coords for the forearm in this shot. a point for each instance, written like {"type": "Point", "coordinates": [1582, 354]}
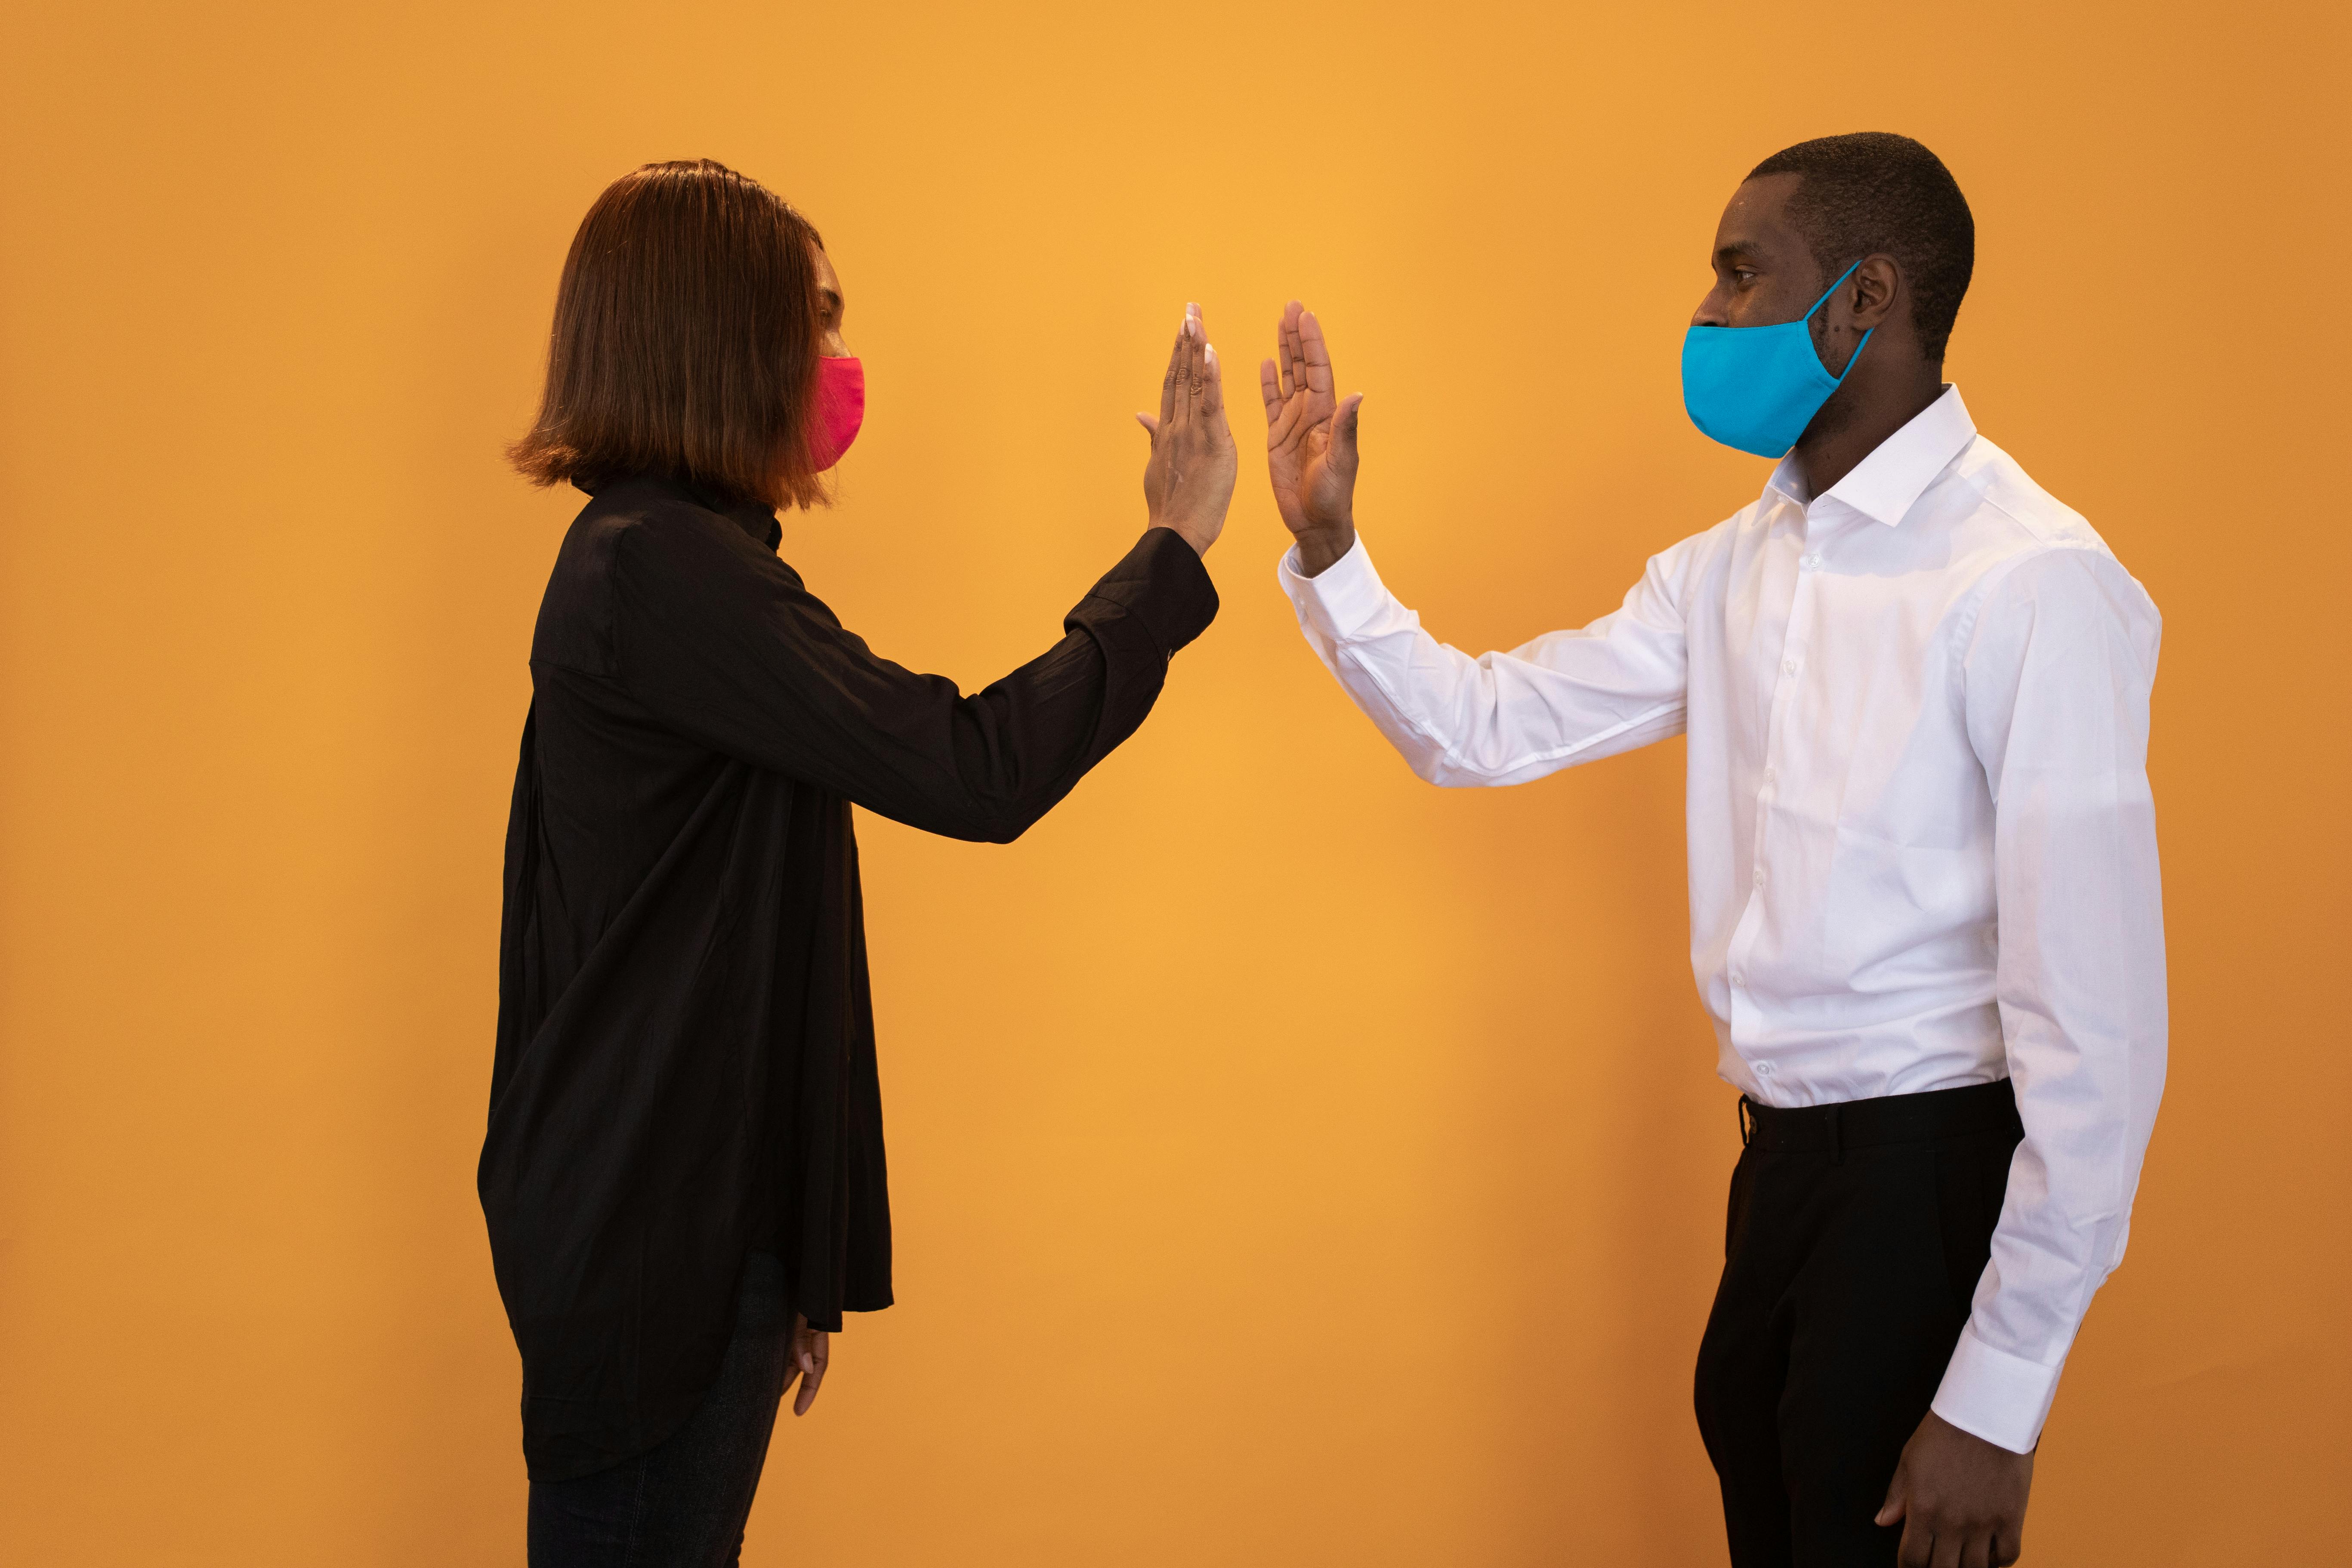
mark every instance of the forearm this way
{"type": "Point", "coordinates": [722, 642]}
{"type": "Point", "coordinates": [2058, 687]}
{"type": "Point", "coordinates": [1500, 718]}
{"type": "Point", "coordinates": [2083, 1011]}
{"type": "Point", "coordinates": [1017, 748]}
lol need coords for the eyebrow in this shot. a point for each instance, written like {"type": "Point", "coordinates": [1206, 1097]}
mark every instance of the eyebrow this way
{"type": "Point", "coordinates": [1737, 250]}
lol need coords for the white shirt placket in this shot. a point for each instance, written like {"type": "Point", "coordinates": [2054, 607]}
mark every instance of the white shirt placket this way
{"type": "Point", "coordinates": [1785, 568]}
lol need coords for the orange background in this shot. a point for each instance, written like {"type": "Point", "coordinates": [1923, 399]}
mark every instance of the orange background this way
{"type": "Point", "coordinates": [1293, 1163]}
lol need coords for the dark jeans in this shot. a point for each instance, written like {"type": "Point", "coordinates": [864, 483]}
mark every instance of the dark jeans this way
{"type": "Point", "coordinates": [1855, 1237]}
{"type": "Point", "coordinates": [682, 1504]}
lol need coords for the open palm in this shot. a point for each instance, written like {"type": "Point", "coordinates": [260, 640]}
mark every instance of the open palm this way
{"type": "Point", "coordinates": [1310, 439]}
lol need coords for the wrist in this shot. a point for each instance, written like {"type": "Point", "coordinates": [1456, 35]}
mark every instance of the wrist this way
{"type": "Point", "coordinates": [1191, 534]}
{"type": "Point", "coordinates": [1319, 549]}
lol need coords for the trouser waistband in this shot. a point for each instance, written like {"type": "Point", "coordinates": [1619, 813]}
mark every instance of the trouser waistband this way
{"type": "Point", "coordinates": [1890, 1119]}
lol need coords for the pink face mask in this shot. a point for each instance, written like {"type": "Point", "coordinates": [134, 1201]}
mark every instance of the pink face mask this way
{"type": "Point", "coordinates": [837, 412]}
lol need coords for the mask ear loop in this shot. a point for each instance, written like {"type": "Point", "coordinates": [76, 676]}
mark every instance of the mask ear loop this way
{"type": "Point", "coordinates": [1865, 337]}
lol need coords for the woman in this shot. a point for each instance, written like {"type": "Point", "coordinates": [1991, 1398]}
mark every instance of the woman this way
{"type": "Point", "coordinates": [683, 1173]}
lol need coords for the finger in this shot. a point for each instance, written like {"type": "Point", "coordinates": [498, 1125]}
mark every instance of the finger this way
{"type": "Point", "coordinates": [1196, 383]}
{"type": "Point", "coordinates": [2008, 1544]}
{"type": "Point", "coordinates": [1179, 406]}
{"type": "Point", "coordinates": [1317, 353]}
{"type": "Point", "coordinates": [1286, 422]}
{"type": "Point", "coordinates": [1343, 434]}
{"type": "Point", "coordinates": [812, 1360]}
{"type": "Point", "coordinates": [1294, 355]}
{"type": "Point", "coordinates": [1977, 1550]}
{"type": "Point", "coordinates": [1947, 1549]}
{"type": "Point", "coordinates": [1269, 387]}
{"type": "Point", "coordinates": [1314, 401]}
{"type": "Point", "coordinates": [1175, 368]}
{"type": "Point", "coordinates": [792, 1356]}
{"type": "Point", "coordinates": [1918, 1545]}
{"type": "Point", "coordinates": [1213, 384]}
{"type": "Point", "coordinates": [1150, 424]}
{"type": "Point", "coordinates": [1285, 344]}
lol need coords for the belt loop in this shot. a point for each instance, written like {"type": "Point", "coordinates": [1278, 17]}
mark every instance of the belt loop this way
{"type": "Point", "coordinates": [1746, 1122]}
{"type": "Point", "coordinates": [1837, 1137]}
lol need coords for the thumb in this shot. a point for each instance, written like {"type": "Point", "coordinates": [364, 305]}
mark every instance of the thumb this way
{"type": "Point", "coordinates": [1343, 432]}
{"type": "Point", "coordinates": [1150, 424]}
{"type": "Point", "coordinates": [1891, 1511]}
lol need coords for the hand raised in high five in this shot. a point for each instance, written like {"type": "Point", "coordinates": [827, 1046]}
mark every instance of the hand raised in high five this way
{"type": "Point", "coordinates": [1310, 442]}
{"type": "Point", "coordinates": [1189, 482]}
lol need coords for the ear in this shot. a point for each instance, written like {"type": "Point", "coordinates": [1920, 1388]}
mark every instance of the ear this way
{"type": "Point", "coordinates": [1873, 292]}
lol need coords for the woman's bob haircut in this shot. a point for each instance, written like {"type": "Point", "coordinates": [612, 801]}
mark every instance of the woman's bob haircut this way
{"type": "Point", "coordinates": [686, 340]}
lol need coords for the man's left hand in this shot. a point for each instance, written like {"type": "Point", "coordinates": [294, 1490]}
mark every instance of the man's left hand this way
{"type": "Point", "coordinates": [1960, 1499]}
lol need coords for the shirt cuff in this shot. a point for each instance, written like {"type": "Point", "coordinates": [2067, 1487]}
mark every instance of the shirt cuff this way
{"type": "Point", "coordinates": [1342, 599]}
{"type": "Point", "coordinates": [2001, 1398]}
{"type": "Point", "coordinates": [1161, 583]}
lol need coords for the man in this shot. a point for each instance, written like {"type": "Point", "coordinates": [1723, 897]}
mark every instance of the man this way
{"type": "Point", "coordinates": [1925, 912]}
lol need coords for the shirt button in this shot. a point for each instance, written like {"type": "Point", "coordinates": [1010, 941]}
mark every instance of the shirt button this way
{"type": "Point", "coordinates": [1759, 876]}
{"type": "Point", "coordinates": [1788, 667]}
{"type": "Point", "coordinates": [1813, 561]}
{"type": "Point", "coordinates": [1772, 774]}
{"type": "Point", "coordinates": [1739, 979]}
{"type": "Point", "coordinates": [1763, 1069]}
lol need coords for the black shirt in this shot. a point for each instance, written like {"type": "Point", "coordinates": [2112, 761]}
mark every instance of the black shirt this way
{"type": "Point", "coordinates": [684, 1068]}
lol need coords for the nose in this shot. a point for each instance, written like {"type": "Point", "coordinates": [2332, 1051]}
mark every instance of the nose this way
{"type": "Point", "coordinates": [1711, 311]}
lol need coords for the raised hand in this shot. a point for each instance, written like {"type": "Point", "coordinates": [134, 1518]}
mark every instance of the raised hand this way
{"type": "Point", "coordinates": [1189, 482]}
{"type": "Point", "coordinates": [1310, 442]}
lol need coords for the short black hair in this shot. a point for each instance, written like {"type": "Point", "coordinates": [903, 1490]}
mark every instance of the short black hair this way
{"type": "Point", "coordinates": [1873, 193]}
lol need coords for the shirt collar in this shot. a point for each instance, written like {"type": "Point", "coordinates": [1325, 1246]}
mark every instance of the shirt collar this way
{"type": "Point", "coordinates": [1885, 485]}
{"type": "Point", "coordinates": [754, 517]}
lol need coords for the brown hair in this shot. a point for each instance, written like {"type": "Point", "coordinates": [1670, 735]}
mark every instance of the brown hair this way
{"type": "Point", "coordinates": [686, 340]}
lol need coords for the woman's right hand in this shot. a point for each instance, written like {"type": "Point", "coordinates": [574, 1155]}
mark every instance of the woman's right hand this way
{"type": "Point", "coordinates": [1189, 482]}
{"type": "Point", "coordinates": [812, 1351]}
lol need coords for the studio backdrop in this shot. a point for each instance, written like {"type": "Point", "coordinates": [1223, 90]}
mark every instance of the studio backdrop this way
{"type": "Point", "coordinates": [1292, 1163]}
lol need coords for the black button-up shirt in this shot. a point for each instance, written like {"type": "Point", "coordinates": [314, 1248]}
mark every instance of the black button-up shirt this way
{"type": "Point", "coordinates": [684, 1068]}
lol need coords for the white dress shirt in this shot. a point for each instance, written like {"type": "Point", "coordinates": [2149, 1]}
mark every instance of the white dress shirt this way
{"type": "Point", "coordinates": [1922, 845]}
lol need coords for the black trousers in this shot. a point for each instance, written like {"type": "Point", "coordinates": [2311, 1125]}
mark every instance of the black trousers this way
{"type": "Point", "coordinates": [1855, 1240]}
{"type": "Point", "coordinates": [683, 1504]}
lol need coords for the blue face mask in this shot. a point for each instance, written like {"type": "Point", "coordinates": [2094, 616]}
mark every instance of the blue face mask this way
{"type": "Point", "coordinates": [1757, 388]}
